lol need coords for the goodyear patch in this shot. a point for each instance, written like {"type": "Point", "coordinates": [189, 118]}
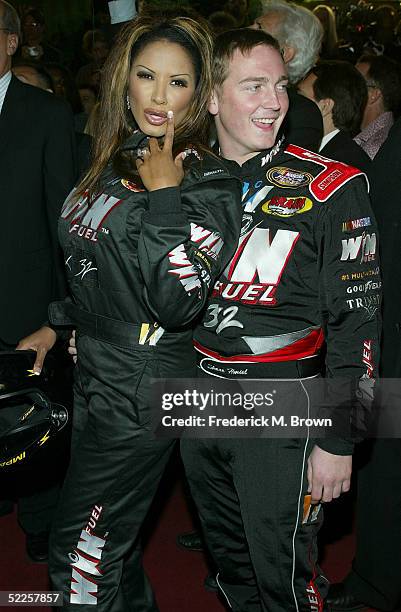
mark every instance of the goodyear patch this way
{"type": "Point", "coordinates": [131, 186]}
{"type": "Point", "coordinates": [285, 177]}
{"type": "Point", "coordinates": [287, 207]}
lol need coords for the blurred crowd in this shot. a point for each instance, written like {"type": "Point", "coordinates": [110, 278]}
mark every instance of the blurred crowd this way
{"type": "Point", "coordinates": [344, 72]}
{"type": "Point", "coordinates": [70, 64]}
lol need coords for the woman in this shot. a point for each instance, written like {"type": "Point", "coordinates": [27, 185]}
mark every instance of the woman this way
{"type": "Point", "coordinates": [138, 192]}
{"type": "Point", "coordinates": [327, 18]}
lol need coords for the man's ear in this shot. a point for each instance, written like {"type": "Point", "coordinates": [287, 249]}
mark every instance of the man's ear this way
{"type": "Point", "coordinates": [374, 94]}
{"type": "Point", "coordinates": [213, 106]}
{"type": "Point", "coordinates": [326, 106]}
{"type": "Point", "coordinates": [12, 44]}
{"type": "Point", "coordinates": [287, 53]}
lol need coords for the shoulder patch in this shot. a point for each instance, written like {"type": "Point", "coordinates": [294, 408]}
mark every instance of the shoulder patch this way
{"type": "Point", "coordinates": [331, 178]}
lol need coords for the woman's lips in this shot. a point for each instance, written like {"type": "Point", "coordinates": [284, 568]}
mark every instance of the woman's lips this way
{"type": "Point", "coordinates": [155, 117]}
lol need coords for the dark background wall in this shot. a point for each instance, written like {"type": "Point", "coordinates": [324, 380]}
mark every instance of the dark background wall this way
{"type": "Point", "coordinates": [61, 14]}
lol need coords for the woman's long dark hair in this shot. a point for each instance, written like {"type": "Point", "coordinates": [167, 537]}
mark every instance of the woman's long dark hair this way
{"type": "Point", "coordinates": [115, 121]}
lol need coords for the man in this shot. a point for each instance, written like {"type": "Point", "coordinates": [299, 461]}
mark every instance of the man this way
{"type": "Point", "coordinates": [382, 76]}
{"type": "Point", "coordinates": [34, 47]}
{"type": "Point", "coordinates": [299, 33]}
{"type": "Point", "coordinates": [375, 577]}
{"type": "Point", "coordinates": [36, 75]}
{"type": "Point", "coordinates": [340, 93]}
{"type": "Point", "coordinates": [287, 290]}
{"type": "Point", "coordinates": [37, 170]}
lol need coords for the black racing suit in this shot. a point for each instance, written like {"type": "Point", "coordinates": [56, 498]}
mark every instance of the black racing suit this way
{"type": "Point", "coordinates": [116, 464]}
{"type": "Point", "coordinates": [305, 274]}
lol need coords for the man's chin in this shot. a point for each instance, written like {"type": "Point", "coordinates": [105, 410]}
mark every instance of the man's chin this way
{"type": "Point", "coordinates": [267, 141]}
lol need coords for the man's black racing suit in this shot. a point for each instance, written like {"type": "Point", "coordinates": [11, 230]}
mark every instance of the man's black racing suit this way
{"type": "Point", "coordinates": [305, 274]}
{"type": "Point", "coordinates": [116, 463]}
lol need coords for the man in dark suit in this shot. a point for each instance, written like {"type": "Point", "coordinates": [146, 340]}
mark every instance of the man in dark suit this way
{"type": "Point", "coordinates": [340, 92]}
{"type": "Point", "coordinates": [37, 170]}
{"type": "Point", "coordinates": [375, 578]}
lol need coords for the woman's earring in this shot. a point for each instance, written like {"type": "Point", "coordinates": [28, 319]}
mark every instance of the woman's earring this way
{"type": "Point", "coordinates": [128, 103]}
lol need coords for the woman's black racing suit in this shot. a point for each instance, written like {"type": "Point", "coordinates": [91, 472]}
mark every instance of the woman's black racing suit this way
{"type": "Point", "coordinates": [116, 464]}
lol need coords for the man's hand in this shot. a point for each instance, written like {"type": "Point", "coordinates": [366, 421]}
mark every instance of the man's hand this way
{"type": "Point", "coordinates": [328, 475]}
{"type": "Point", "coordinates": [157, 168]}
{"type": "Point", "coordinates": [72, 347]}
{"type": "Point", "coordinates": [40, 341]}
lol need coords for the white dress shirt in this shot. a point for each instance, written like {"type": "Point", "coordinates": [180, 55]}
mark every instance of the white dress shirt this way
{"type": "Point", "coordinates": [4, 83]}
{"type": "Point", "coordinates": [327, 138]}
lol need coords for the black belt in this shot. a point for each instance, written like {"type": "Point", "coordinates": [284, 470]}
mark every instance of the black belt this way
{"type": "Point", "coordinates": [302, 368]}
{"type": "Point", "coordinates": [119, 333]}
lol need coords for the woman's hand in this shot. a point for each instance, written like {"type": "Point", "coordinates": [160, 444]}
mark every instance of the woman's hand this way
{"type": "Point", "coordinates": [157, 168]}
{"type": "Point", "coordinates": [40, 341]}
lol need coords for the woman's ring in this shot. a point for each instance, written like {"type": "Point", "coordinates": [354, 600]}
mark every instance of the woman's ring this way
{"type": "Point", "coordinates": [141, 153]}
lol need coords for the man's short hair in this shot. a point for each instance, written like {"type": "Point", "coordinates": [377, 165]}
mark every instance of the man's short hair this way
{"type": "Point", "coordinates": [243, 40]}
{"type": "Point", "coordinates": [385, 74]}
{"type": "Point", "coordinates": [300, 29]}
{"type": "Point", "coordinates": [10, 19]}
{"type": "Point", "coordinates": [345, 85]}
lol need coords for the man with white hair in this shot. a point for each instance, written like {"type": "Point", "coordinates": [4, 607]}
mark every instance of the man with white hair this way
{"type": "Point", "coordinates": [299, 34]}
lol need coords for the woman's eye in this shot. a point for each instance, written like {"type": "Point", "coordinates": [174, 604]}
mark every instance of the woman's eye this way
{"type": "Point", "coordinates": [144, 75]}
{"type": "Point", "coordinates": [179, 83]}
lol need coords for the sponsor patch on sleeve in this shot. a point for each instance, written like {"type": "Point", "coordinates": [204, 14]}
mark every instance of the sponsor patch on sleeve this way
{"type": "Point", "coordinates": [333, 176]}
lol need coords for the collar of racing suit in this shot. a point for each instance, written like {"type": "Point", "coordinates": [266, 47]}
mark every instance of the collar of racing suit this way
{"type": "Point", "coordinates": [260, 159]}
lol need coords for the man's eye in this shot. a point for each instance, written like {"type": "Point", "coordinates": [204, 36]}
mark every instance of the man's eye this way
{"type": "Point", "coordinates": [179, 83]}
{"type": "Point", "coordinates": [282, 88]}
{"type": "Point", "coordinates": [144, 75]}
{"type": "Point", "coordinates": [254, 87]}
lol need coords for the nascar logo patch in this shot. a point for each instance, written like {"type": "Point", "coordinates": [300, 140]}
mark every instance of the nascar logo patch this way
{"type": "Point", "coordinates": [285, 177]}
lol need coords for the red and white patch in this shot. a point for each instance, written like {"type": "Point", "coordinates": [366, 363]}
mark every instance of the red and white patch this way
{"type": "Point", "coordinates": [333, 176]}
